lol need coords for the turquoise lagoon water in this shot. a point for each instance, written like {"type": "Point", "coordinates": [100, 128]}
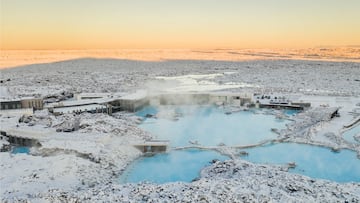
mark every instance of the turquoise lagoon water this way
{"type": "Point", "coordinates": [312, 161]}
{"type": "Point", "coordinates": [18, 149]}
{"type": "Point", "coordinates": [349, 135]}
{"type": "Point", "coordinates": [210, 126]}
{"type": "Point", "coordinates": [184, 165]}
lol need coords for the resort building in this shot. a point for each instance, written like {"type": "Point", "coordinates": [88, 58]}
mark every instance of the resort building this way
{"type": "Point", "coordinates": [99, 105]}
{"type": "Point", "coordinates": [109, 103]}
{"type": "Point", "coordinates": [31, 102]}
{"type": "Point", "coordinates": [231, 98]}
{"type": "Point", "coordinates": [82, 96]}
{"type": "Point", "coordinates": [131, 102]}
{"type": "Point", "coordinates": [10, 104]}
{"type": "Point", "coordinates": [90, 108]}
{"type": "Point", "coordinates": [27, 102]}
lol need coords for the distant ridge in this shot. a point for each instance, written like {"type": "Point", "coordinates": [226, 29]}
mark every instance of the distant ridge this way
{"type": "Point", "coordinates": [14, 58]}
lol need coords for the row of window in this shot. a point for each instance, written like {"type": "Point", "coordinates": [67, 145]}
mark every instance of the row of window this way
{"type": "Point", "coordinates": [10, 106]}
{"type": "Point", "coordinates": [17, 105]}
{"type": "Point", "coordinates": [35, 103]}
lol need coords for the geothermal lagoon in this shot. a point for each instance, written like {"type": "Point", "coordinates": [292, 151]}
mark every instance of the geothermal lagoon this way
{"type": "Point", "coordinates": [178, 165]}
{"type": "Point", "coordinates": [209, 126]}
{"type": "Point", "coordinates": [312, 161]}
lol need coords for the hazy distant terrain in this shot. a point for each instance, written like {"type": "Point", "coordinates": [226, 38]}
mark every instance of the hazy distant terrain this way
{"type": "Point", "coordinates": [12, 58]}
{"type": "Point", "coordinates": [114, 75]}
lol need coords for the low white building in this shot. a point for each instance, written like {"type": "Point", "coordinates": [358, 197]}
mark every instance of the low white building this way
{"type": "Point", "coordinates": [237, 99]}
{"type": "Point", "coordinates": [91, 108]}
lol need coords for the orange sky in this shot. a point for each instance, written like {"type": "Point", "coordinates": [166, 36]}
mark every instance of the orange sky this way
{"type": "Point", "coordinates": [205, 24]}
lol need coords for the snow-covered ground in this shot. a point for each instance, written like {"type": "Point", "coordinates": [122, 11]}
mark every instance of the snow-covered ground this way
{"type": "Point", "coordinates": [84, 165]}
{"type": "Point", "coordinates": [112, 75]}
{"type": "Point", "coordinates": [93, 155]}
{"type": "Point", "coordinates": [229, 181]}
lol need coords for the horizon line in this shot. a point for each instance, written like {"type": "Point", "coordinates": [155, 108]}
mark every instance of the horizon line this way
{"type": "Point", "coordinates": [217, 48]}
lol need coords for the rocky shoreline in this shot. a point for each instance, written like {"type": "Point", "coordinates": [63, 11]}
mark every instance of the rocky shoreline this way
{"type": "Point", "coordinates": [228, 181]}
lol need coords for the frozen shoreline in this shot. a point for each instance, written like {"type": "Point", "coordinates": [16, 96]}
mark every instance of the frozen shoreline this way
{"type": "Point", "coordinates": [84, 165]}
{"type": "Point", "coordinates": [229, 181]}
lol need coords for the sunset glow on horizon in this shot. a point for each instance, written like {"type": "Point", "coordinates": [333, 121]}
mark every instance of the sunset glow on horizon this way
{"type": "Point", "coordinates": [203, 24]}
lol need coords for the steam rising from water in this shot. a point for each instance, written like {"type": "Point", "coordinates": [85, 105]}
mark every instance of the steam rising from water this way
{"type": "Point", "coordinates": [193, 83]}
{"type": "Point", "coordinates": [209, 126]}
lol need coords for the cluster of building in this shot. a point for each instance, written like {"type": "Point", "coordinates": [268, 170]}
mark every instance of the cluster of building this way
{"type": "Point", "coordinates": [100, 103]}
{"type": "Point", "coordinates": [112, 102]}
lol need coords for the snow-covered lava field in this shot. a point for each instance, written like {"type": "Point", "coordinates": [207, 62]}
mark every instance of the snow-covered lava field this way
{"type": "Point", "coordinates": [85, 165]}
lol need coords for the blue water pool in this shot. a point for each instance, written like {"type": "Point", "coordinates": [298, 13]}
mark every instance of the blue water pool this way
{"type": "Point", "coordinates": [312, 161]}
{"type": "Point", "coordinates": [147, 110]}
{"type": "Point", "coordinates": [209, 126]}
{"type": "Point", "coordinates": [170, 167]}
{"type": "Point", "coordinates": [18, 149]}
{"type": "Point", "coordinates": [349, 135]}
{"type": "Point", "coordinates": [291, 112]}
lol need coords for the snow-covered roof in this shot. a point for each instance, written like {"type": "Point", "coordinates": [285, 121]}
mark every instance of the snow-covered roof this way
{"type": "Point", "coordinates": [94, 94]}
{"type": "Point", "coordinates": [79, 102]}
{"type": "Point", "coordinates": [24, 98]}
{"type": "Point", "coordinates": [12, 99]}
{"type": "Point", "coordinates": [9, 99]}
{"type": "Point", "coordinates": [99, 94]}
{"type": "Point", "coordinates": [222, 93]}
